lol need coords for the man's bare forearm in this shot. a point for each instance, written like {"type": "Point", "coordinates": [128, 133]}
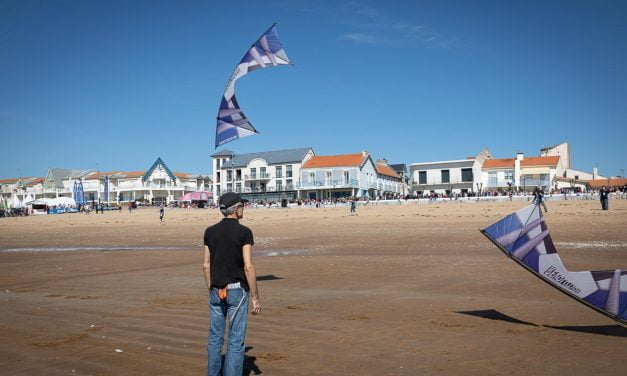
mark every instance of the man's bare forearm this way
{"type": "Point", "coordinates": [251, 277]}
{"type": "Point", "coordinates": [205, 270]}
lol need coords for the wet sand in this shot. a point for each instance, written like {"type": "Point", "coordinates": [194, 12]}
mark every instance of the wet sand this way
{"type": "Point", "coordinates": [398, 290]}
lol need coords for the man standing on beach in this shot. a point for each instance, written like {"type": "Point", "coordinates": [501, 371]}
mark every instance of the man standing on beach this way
{"type": "Point", "coordinates": [230, 277]}
{"type": "Point", "coordinates": [604, 196]}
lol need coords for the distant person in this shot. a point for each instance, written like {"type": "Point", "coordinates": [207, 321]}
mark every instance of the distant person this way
{"type": "Point", "coordinates": [353, 207]}
{"type": "Point", "coordinates": [161, 213]}
{"type": "Point", "coordinates": [538, 194]}
{"type": "Point", "coordinates": [604, 194]}
{"type": "Point", "coordinates": [130, 207]}
{"type": "Point", "coordinates": [230, 277]}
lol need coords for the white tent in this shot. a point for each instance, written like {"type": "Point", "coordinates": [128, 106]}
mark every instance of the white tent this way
{"type": "Point", "coordinates": [28, 199]}
{"type": "Point", "coordinates": [15, 202]}
{"type": "Point", "coordinates": [62, 201]}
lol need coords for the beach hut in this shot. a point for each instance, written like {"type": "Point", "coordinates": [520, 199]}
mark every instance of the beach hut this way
{"type": "Point", "coordinates": [40, 206]}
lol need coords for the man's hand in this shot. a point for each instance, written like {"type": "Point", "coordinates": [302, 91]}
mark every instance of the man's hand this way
{"type": "Point", "coordinates": [256, 308]}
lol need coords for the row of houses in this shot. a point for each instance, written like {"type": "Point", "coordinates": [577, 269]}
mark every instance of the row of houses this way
{"type": "Point", "coordinates": [301, 174]}
{"type": "Point", "coordinates": [157, 184]}
{"type": "Point", "coordinates": [551, 170]}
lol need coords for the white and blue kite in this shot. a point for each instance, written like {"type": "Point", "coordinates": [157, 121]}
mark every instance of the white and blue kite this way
{"type": "Point", "coordinates": [524, 237]}
{"type": "Point", "coordinates": [267, 51]}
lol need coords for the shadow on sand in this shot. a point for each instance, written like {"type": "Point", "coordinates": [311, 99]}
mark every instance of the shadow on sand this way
{"type": "Point", "coordinates": [606, 330]}
{"type": "Point", "coordinates": [250, 368]}
{"type": "Point", "coordinates": [268, 277]}
{"type": "Point", "coordinates": [493, 314]}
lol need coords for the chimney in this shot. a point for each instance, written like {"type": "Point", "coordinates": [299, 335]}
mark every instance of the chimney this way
{"type": "Point", "coordinates": [595, 173]}
{"type": "Point", "coordinates": [520, 156]}
{"type": "Point", "coordinates": [364, 153]}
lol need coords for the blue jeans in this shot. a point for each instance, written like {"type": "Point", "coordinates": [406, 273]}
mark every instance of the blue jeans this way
{"type": "Point", "coordinates": [235, 308]}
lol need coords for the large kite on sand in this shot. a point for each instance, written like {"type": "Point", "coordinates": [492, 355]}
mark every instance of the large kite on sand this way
{"type": "Point", "coordinates": [524, 237]}
{"type": "Point", "coordinates": [267, 51]}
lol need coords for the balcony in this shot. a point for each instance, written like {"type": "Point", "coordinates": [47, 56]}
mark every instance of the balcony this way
{"type": "Point", "coordinates": [264, 176]}
{"type": "Point", "coordinates": [328, 184]}
{"type": "Point", "coordinates": [495, 183]}
{"type": "Point", "coordinates": [535, 182]}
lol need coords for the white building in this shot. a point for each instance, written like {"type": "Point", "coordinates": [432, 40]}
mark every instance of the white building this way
{"type": "Point", "coordinates": [401, 170]}
{"type": "Point", "coordinates": [389, 182]}
{"type": "Point", "coordinates": [460, 176]}
{"type": "Point", "coordinates": [263, 176]}
{"type": "Point", "coordinates": [347, 175]}
{"type": "Point", "coordinates": [520, 173]}
{"type": "Point", "coordinates": [156, 185]}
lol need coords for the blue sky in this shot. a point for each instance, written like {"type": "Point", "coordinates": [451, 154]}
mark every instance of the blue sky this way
{"type": "Point", "coordinates": [116, 84]}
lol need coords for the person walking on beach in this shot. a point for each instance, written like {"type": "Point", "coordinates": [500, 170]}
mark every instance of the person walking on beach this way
{"type": "Point", "coordinates": [161, 213]}
{"type": "Point", "coordinates": [231, 280]}
{"type": "Point", "coordinates": [604, 196]}
{"type": "Point", "coordinates": [353, 207]}
{"type": "Point", "coordinates": [539, 198]}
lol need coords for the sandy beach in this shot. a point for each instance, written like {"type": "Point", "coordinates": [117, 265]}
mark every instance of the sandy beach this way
{"type": "Point", "coordinates": [395, 290]}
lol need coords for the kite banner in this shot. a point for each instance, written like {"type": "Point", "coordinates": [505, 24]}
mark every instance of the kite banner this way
{"type": "Point", "coordinates": [524, 237]}
{"type": "Point", "coordinates": [232, 124]}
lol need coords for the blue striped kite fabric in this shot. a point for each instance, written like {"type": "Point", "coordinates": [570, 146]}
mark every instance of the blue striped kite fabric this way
{"type": "Point", "coordinates": [232, 124]}
{"type": "Point", "coordinates": [524, 237]}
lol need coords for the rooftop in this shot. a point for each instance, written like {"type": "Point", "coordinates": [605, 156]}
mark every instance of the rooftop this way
{"type": "Point", "coordinates": [342, 160]}
{"type": "Point", "coordinates": [271, 157]}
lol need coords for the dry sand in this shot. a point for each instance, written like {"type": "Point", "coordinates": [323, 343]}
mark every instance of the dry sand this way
{"type": "Point", "coordinates": [400, 290]}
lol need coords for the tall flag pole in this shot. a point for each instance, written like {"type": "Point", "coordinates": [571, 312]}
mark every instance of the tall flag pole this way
{"type": "Point", "coordinates": [232, 124]}
{"type": "Point", "coordinates": [106, 189]}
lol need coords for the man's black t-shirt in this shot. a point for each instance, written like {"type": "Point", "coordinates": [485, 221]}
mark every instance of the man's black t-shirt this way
{"type": "Point", "coordinates": [225, 240]}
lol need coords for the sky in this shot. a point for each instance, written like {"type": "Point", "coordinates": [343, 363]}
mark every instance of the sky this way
{"type": "Point", "coordinates": [112, 85]}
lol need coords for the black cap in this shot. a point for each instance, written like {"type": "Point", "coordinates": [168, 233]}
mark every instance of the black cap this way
{"type": "Point", "coordinates": [229, 199]}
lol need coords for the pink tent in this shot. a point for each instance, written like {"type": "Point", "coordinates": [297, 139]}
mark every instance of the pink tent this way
{"type": "Point", "coordinates": [196, 196]}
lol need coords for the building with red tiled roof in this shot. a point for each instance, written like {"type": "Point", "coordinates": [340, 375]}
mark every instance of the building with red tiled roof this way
{"type": "Point", "coordinates": [343, 160]}
{"type": "Point", "coordinates": [348, 175]}
{"type": "Point", "coordinates": [608, 183]}
{"type": "Point", "coordinates": [520, 173]}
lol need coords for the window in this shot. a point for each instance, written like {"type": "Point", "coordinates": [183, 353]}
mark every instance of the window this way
{"type": "Point", "coordinates": [467, 175]}
{"type": "Point", "coordinates": [312, 177]}
{"type": "Point", "coordinates": [288, 171]}
{"type": "Point", "coordinates": [253, 173]}
{"type": "Point", "coordinates": [218, 164]}
{"type": "Point", "coordinates": [446, 176]}
{"type": "Point", "coordinates": [229, 187]}
{"type": "Point", "coordinates": [509, 175]}
{"type": "Point", "coordinates": [279, 172]}
{"type": "Point", "coordinates": [262, 172]}
{"type": "Point", "coordinates": [279, 185]}
{"type": "Point", "coordinates": [238, 175]}
{"type": "Point", "coordinates": [346, 177]}
{"type": "Point", "coordinates": [238, 187]}
{"type": "Point", "coordinates": [229, 175]}
{"type": "Point", "coordinates": [492, 179]}
{"type": "Point", "coordinates": [422, 177]}
{"type": "Point", "coordinates": [288, 184]}
{"type": "Point", "coordinates": [328, 175]}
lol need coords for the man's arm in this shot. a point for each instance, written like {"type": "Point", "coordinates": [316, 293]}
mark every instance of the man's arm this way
{"type": "Point", "coordinates": [251, 277]}
{"type": "Point", "coordinates": [205, 267]}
